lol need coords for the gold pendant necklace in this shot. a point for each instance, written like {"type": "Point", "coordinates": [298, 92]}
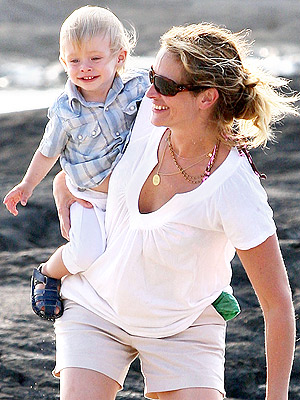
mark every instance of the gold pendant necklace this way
{"type": "Point", "coordinates": [156, 180]}
{"type": "Point", "coordinates": [156, 177]}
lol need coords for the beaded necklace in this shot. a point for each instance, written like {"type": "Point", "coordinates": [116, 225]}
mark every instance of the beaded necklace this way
{"type": "Point", "coordinates": [192, 179]}
{"type": "Point", "coordinates": [200, 178]}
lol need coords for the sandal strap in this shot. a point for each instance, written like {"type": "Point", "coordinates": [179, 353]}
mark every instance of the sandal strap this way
{"type": "Point", "coordinates": [47, 300]}
{"type": "Point", "coordinates": [46, 280]}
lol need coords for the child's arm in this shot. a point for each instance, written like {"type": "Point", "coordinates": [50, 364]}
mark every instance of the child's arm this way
{"type": "Point", "coordinates": [39, 167]}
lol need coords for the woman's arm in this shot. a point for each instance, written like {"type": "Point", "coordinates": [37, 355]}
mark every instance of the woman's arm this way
{"type": "Point", "coordinates": [63, 199]}
{"type": "Point", "coordinates": [265, 268]}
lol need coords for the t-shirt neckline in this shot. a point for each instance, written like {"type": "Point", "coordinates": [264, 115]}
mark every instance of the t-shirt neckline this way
{"type": "Point", "coordinates": [150, 159]}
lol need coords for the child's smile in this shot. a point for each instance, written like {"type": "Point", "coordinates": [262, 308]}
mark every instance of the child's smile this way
{"type": "Point", "coordinates": [91, 66]}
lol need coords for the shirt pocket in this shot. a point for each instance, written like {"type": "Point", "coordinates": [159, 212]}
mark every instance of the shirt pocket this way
{"type": "Point", "coordinates": [130, 111]}
{"type": "Point", "coordinates": [86, 139]}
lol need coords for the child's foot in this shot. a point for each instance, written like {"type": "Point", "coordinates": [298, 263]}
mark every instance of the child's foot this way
{"type": "Point", "coordinates": [45, 298]}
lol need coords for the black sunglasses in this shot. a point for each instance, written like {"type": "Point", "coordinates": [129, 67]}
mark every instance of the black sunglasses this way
{"type": "Point", "coordinates": [167, 87]}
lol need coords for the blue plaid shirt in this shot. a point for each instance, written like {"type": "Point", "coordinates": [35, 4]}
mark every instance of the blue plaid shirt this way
{"type": "Point", "coordinates": [91, 137]}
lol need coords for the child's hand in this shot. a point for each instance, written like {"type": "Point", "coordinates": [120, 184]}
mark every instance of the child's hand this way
{"type": "Point", "coordinates": [18, 194]}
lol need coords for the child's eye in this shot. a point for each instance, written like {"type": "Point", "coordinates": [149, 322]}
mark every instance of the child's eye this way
{"type": "Point", "coordinates": [96, 58]}
{"type": "Point", "coordinates": [74, 61]}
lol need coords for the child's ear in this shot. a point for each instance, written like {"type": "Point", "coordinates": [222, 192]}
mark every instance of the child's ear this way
{"type": "Point", "coordinates": [63, 63]}
{"type": "Point", "coordinates": [121, 57]}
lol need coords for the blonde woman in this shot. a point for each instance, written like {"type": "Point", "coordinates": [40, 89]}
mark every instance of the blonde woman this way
{"type": "Point", "coordinates": [184, 198]}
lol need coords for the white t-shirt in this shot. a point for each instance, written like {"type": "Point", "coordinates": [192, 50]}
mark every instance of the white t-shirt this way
{"type": "Point", "coordinates": [161, 270]}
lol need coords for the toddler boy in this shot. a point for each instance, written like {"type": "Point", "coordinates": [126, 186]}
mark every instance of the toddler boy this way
{"type": "Point", "coordinates": [88, 128]}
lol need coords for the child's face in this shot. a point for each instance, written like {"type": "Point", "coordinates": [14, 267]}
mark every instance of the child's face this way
{"type": "Point", "coordinates": [92, 67]}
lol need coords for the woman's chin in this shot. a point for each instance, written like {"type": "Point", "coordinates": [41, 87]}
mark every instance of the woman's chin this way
{"type": "Point", "coordinates": [157, 121]}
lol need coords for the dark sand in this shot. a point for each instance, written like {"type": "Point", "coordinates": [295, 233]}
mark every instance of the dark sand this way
{"type": "Point", "coordinates": [27, 349]}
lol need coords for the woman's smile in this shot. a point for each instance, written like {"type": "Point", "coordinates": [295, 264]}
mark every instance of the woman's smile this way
{"type": "Point", "coordinates": [157, 107]}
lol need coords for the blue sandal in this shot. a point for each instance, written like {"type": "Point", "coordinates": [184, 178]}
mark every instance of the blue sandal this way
{"type": "Point", "coordinates": [46, 302]}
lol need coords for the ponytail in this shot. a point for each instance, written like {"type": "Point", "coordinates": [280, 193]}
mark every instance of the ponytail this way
{"type": "Point", "coordinates": [261, 104]}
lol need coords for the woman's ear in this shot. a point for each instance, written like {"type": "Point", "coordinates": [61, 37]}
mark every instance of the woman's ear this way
{"type": "Point", "coordinates": [208, 98]}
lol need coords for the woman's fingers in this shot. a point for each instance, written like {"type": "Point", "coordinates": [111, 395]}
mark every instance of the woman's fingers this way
{"type": "Point", "coordinates": [64, 220]}
{"type": "Point", "coordinates": [84, 203]}
{"type": "Point", "coordinates": [64, 199]}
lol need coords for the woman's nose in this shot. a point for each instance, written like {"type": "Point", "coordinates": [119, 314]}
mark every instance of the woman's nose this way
{"type": "Point", "coordinates": [151, 92]}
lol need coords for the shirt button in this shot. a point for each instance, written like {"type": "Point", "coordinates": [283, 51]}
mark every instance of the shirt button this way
{"type": "Point", "coordinates": [106, 109]}
{"type": "Point", "coordinates": [132, 108]}
{"type": "Point", "coordinates": [118, 133]}
{"type": "Point", "coordinates": [94, 133]}
{"type": "Point", "coordinates": [80, 137]}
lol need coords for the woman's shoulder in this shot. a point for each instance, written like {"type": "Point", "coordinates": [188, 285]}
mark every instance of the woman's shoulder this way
{"type": "Point", "coordinates": [242, 206]}
{"type": "Point", "coordinates": [142, 126]}
{"type": "Point", "coordinates": [239, 182]}
{"type": "Point", "coordinates": [144, 138]}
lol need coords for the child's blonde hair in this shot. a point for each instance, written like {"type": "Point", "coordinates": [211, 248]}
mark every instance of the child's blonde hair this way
{"type": "Point", "coordinates": [89, 21]}
{"type": "Point", "coordinates": [248, 100]}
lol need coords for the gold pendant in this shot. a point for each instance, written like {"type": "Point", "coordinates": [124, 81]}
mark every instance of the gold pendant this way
{"type": "Point", "coordinates": [156, 180]}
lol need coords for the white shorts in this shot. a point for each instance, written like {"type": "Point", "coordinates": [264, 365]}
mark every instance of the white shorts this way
{"type": "Point", "coordinates": [192, 358]}
{"type": "Point", "coordinates": [87, 233]}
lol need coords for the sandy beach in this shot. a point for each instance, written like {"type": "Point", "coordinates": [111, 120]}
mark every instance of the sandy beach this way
{"type": "Point", "coordinates": [29, 30]}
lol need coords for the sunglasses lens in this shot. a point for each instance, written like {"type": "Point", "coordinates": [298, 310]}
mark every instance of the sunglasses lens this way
{"type": "Point", "coordinates": [164, 86]}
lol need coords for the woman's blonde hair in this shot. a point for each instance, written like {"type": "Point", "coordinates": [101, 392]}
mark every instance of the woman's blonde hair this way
{"type": "Point", "coordinates": [89, 21]}
{"type": "Point", "coordinates": [249, 99]}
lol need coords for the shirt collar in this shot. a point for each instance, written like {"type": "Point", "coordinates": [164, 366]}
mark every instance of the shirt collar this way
{"type": "Point", "coordinates": [75, 96]}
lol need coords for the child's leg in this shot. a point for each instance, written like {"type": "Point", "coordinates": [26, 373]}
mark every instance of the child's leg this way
{"type": "Point", "coordinates": [54, 267]}
{"type": "Point", "coordinates": [45, 287]}
{"type": "Point", "coordinates": [87, 243]}
{"type": "Point", "coordinates": [87, 238]}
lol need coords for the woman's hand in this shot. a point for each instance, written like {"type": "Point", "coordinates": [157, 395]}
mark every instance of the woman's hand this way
{"type": "Point", "coordinates": [63, 200]}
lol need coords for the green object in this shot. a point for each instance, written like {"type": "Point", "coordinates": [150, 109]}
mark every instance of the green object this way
{"type": "Point", "coordinates": [227, 306]}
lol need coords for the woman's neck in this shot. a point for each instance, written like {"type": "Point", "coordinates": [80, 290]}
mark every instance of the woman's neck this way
{"type": "Point", "coordinates": [190, 143]}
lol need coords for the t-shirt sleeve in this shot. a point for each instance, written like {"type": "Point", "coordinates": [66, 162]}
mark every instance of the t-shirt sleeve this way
{"type": "Point", "coordinates": [244, 212]}
{"type": "Point", "coordinates": [55, 137]}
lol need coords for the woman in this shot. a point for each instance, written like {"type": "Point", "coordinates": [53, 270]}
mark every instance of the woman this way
{"type": "Point", "coordinates": [181, 201]}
